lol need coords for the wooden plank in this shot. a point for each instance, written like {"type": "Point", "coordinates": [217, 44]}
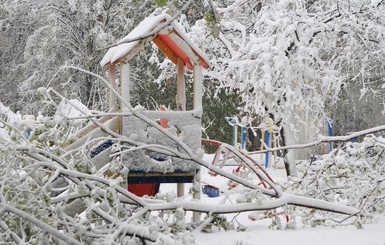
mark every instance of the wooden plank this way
{"type": "Point", "coordinates": [165, 49]}
{"type": "Point", "coordinates": [180, 87]}
{"type": "Point", "coordinates": [157, 177]}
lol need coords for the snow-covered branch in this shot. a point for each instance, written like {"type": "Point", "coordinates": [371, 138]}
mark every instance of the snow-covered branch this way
{"type": "Point", "coordinates": [324, 139]}
{"type": "Point", "coordinates": [285, 199]}
{"type": "Point", "coordinates": [5, 208]}
{"type": "Point", "coordinates": [153, 32]}
{"type": "Point", "coordinates": [100, 196]}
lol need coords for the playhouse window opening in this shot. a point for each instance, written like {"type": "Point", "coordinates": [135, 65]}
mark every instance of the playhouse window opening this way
{"type": "Point", "coordinates": [151, 93]}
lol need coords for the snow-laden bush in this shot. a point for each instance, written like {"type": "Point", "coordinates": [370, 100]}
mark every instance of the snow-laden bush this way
{"type": "Point", "coordinates": [353, 174]}
{"type": "Point", "coordinates": [57, 191]}
{"type": "Point", "coordinates": [48, 195]}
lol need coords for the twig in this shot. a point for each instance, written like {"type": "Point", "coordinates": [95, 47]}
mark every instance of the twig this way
{"type": "Point", "coordinates": [14, 128]}
{"type": "Point", "coordinates": [38, 223]}
{"type": "Point", "coordinates": [13, 235]}
{"type": "Point", "coordinates": [131, 109]}
{"type": "Point", "coordinates": [98, 115]}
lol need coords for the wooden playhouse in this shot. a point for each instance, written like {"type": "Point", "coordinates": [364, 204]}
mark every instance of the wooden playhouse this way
{"type": "Point", "coordinates": [148, 168]}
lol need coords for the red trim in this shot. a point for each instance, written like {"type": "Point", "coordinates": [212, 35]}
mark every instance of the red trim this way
{"type": "Point", "coordinates": [143, 189]}
{"type": "Point", "coordinates": [163, 121]}
{"type": "Point", "coordinates": [176, 49]}
{"type": "Point", "coordinates": [203, 63]}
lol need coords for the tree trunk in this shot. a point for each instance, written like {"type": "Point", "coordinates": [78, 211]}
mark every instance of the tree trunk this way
{"type": "Point", "coordinates": [289, 162]}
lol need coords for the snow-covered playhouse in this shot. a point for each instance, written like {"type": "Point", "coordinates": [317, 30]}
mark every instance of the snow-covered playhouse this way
{"type": "Point", "coordinates": [147, 167]}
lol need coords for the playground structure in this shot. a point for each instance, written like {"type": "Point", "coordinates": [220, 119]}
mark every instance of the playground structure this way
{"type": "Point", "coordinates": [179, 130]}
{"type": "Point", "coordinates": [268, 136]}
{"type": "Point", "coordinates": [147, 169]}
{"type": "Point", "coordinates": [140, 140]}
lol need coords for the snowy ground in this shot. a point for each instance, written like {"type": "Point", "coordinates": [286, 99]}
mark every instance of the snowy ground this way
{"type": "Point", "coordinates": [258, 232]}
{"type": "Point", "coordinates": [372, 234]}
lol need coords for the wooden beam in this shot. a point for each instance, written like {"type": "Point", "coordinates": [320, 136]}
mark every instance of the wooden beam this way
{"type": "Point", "coordinates": [197, 89]}
{"type": "Point", "coordinates": [112, 97]}
{"type": "Point", "coordinates": [180, 87]}
{"type": "Point", "coordinates": [165, 49]}
{"type": "Point", "coordinates": [179, 47]}
{"type": "Point", "coordinates": [125, 85]}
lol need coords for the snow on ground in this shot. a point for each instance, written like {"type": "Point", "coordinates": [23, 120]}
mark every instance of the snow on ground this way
{"type": "Point", "coordinates": [258, 232]}
{"type": "Point", "coordinates": [371, 234]}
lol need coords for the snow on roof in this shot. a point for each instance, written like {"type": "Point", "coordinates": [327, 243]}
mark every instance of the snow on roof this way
{"type": "Point", "coordinates": [117, 53]}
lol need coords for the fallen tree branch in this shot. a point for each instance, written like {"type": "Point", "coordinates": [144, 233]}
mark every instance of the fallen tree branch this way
{"type": "Point", "coordinates": [285, 199]}
{"type": "Point", "coordinates": [13, 235]}
{"type": "Point", "coordinates": [324, 139]}
{"type": "Point", "coordinates": [46, 228]}
{"type": "Point", "coordinates": [136, 113]}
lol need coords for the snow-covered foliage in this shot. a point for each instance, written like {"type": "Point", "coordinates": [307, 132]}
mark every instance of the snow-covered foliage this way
{"type": "Point", "coordinates": [290, 59]}
{"type": "Point", "coordinates": [352, 174]}
{"type": "Point", "coordinates": [52, 189]}
{"type": "Point", "coordinates": [38, 37]}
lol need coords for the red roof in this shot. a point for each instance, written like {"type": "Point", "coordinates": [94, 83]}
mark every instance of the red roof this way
{"type": "Point", "coordinates": [172, 41]}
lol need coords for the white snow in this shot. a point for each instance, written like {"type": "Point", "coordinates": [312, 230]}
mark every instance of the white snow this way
{"type": "Point", "coordinates": [372, 234]}
{"type": "Point", "coordinates": [258, 232]}
{"type": "Point", "coordinates": [143, 28]}
{"type": "Point", "coordinates": [12, 117]}
{"type": "Point", "coordinates": [68, 109]}
{"type": "Point", "coordinates": [146, 26]}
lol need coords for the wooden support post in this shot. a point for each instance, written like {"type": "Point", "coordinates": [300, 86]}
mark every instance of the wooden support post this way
{"type": "Point", "coordinates": [112, 97]}
{"type": "Point", "coordinates": [125, 85]}
{"type": "Point", "coordinates": [180, 87]}
{"type": "Point", "coordinates": [181, 105]}
{"type": "Point", "coordinates": [198, 84]}
{"type": "Point", "coordinates": [197, 104]}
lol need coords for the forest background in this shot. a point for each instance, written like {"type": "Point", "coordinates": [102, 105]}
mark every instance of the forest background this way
{"type": "Point", "coordinates": [297, 62]}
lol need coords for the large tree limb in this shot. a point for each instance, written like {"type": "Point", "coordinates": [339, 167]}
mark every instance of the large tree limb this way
{"type": "Point", "coordinates": [324, 139]}
{"type": "Point", "coordinates": [285, 199]}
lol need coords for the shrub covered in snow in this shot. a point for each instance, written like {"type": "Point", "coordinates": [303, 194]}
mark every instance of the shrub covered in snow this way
{"type": "Point", "coordinates": [52, 192]}
{"type": "Point", "coordinates": [353, 174]}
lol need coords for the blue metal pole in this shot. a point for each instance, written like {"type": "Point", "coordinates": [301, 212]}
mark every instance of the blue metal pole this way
{"type": "Point", "coordinates": [243, 145]}
{"type": "Point", "coordinates": [28, 133]}
{"type": "Point", "coordinates": [267, 154]}
{"type": "Point", "coordinates": [330, 131]}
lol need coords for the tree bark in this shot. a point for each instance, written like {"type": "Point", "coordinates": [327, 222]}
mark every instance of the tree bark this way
{"type": "Point", "coordinates": [288, 161]}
